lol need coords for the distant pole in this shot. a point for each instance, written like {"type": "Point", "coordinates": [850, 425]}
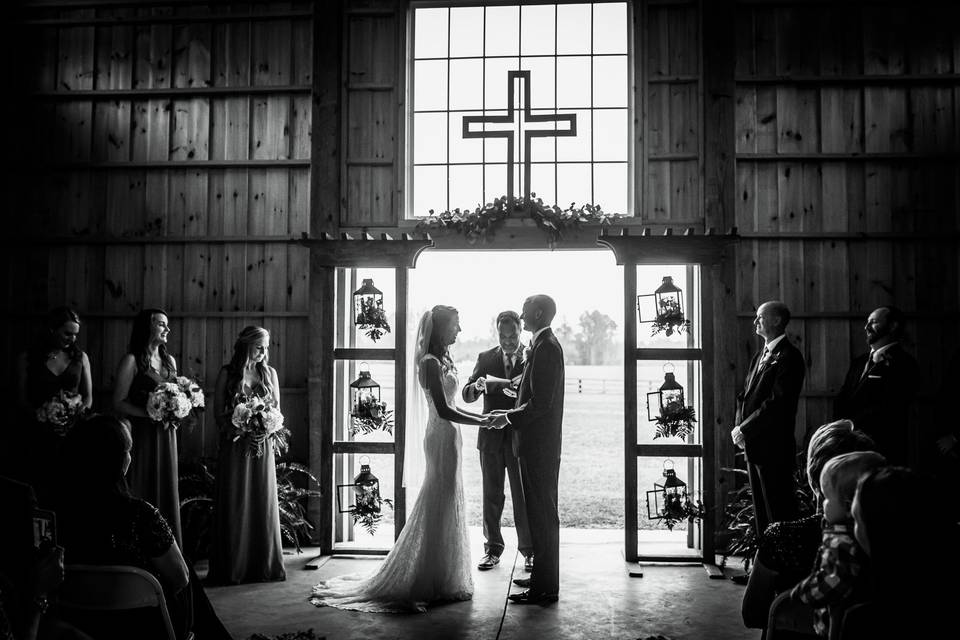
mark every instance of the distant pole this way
{"type": "Point", "coordinates": [579, 385]}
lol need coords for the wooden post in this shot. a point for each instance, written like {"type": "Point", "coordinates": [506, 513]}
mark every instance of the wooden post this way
{"type": "Point", "coordinates": [630, 410]}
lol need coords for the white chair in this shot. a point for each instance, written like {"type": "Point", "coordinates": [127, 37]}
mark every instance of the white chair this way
{"type": "Point", "coordinates": [113, 588]}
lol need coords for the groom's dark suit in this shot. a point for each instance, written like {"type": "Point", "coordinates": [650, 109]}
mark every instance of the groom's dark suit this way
{"type": "Point", "coordinates": [496, 454]}
{"type": "Point", "coordinates": [536, 441]}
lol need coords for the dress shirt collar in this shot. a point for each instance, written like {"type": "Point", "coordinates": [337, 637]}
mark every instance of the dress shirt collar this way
{"type": "Point", "coordinates": [536, 335]}
{"type": "Point", "coordinates": [876, 354]}
{"type": "Point", "coordinates": [770, 346]}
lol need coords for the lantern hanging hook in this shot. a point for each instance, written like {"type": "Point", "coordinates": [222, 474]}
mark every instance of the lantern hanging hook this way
{"type": "Point", "coordinates": [671, 368]}
{"type": "Point", "coordinates": [361, 458]}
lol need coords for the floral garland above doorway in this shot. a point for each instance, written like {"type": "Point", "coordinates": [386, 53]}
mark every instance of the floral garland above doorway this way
{"type": "Point", "coordinates": [481, 224]}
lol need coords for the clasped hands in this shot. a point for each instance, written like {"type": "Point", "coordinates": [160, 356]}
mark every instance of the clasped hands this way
{"type": "Point", "coordinates": [496, 419]}
{"type": "Point", "coordinates": [737, 436]}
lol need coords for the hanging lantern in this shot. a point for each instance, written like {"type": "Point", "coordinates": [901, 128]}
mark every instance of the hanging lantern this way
{"type": "Point", "coordinates": [668, 398]}
{"type": "Point", "coordinates": [667, 312]}
{"type": "Point", "coordinates": [668, 498]}
{"type": "Point", "coordinates": [366, 486]}
{"type": "Point", "coordinates": [368, 310]}
{"type": "Point", "coordinates": [365, 398]}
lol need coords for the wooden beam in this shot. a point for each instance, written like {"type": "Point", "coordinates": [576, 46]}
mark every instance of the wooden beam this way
{"type": "Point", "coordinates": [649, 249]}
{"type": "Point", "coordinates": [320, 405]}
{"type": "Point", "coordinates": [180, 165]}
{"type": "Point", "coordinates": [899, 156]}
{"type": "Point", "coordinates": [117, 21]}
{"type": "Point", "coordinates": [718, 55]}
{"type": "Point", "coordinates": [668, 450]}
{"type": "Point", "coordinates": [669, 354]}
{"type": "Point", "coordinates": [365, 354]}
{"type": "Point", "coordinates": [351, 447]}
{"type": "Point", "coordinates": [366, 251]}
{"type": "Point", "coordinates": [853, 80]}
{"type": "Point", "coordinates": [630, 520]}
{"type": "Point", "coordinates": [326, 126]}
{"type": "Point", "coordinates": [169, 92]}
{"type": "Point", "coordinates": [400, 402]}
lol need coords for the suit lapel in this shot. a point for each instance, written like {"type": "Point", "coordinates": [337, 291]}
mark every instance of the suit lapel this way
{"type": "Point", "coordinates": [752, 376]}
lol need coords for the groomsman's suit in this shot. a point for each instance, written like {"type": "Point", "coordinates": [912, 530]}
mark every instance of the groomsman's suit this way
{"type": "Point", "coordinates": [766, 413]}
{"type": "Point", "coordinates": [496, 451]}
{"type": "Point", "coordinates": [536, 441]}
{"type": "Point", "coordinates": [876, 395]}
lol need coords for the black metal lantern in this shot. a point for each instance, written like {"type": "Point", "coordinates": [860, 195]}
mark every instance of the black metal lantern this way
{"type": "Point", "coordinates": [367, 492]}
{"type": "Point", "coordinates": [365, 394]}
{"type": "Point", "coordinates": [367, 303]}
{"type": "Point", "coordinates": [666, 498]}
{"type": "Point", "coordinates": [668, 303]}
{"type": "Point", "coordinates": [668, 396]}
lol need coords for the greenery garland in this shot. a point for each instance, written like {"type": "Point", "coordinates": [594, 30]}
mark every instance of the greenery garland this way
{"type": "Point", "coordinates": [481, 224]}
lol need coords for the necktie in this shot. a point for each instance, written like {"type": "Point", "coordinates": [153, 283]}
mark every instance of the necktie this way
{"type": "Point", "coordinates": [762, 359]}
{"type": "Point", "coordinates": [867, 366]}
{"type": "Point", "coordinates": [509, 368]}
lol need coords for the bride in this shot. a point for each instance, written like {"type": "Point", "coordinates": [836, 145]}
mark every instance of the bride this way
{"type": "Point", "coordinates": [430, 561]}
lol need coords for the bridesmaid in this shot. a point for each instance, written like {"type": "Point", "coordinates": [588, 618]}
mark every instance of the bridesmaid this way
{"type": "Point", "coordinates": [153, 472]}
{"type": "Point", "coordinates": [54, 363]}
{"type": "Point", "coordinates": [246, 537]}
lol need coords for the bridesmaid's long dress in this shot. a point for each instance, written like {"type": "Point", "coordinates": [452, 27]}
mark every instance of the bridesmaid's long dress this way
{"type": "Point", "coordinates": [247, 546]}
{"type": "Point", "coordinates": [154, 472]}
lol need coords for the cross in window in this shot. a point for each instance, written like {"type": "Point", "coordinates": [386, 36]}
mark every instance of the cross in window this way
{"type": "Point", "coordinates": [532, 125]}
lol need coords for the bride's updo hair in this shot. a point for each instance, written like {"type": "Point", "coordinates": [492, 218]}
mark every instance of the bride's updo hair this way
{"type": "Point", "coordinates": [443, 315]}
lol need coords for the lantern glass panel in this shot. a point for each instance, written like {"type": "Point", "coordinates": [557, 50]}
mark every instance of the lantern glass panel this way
{"type": "Point", "coordinates": [349, 280]}
{"type": "Point", "coordinates": [649, 279]}
{"type": "Point", "coordinates": [650, 374]}
{"type": "Point", "coordinates": [346, 534]}
{"type": "Point", "coordinates": [653, 536]}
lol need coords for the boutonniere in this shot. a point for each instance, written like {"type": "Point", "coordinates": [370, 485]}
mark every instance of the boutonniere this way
{"type": "Point", "coordinates": [525, 356]}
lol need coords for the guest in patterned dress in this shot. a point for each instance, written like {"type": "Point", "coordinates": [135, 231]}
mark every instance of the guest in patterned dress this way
{"type": "Point", "coordinates": [247, 546]}
{"type": "Point", "coordinates": [153, 472]}
{"type": "Point", "coordinates": [55, 363]}
{"type": "Point", "coordinates": [101, 523]}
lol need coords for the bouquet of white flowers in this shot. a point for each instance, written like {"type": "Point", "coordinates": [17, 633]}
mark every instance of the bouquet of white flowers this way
{"type": "Point", "coordinates": [256, 419]}
{"type": "Point", "coordinates": [62, 411]}
{"type": "Point", "coordinates": [171, 402]}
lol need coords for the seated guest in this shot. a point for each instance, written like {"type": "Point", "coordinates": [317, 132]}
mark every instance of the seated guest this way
{"type": "Point", "coordinates": [788, 549]}
{"type": "Point", "coordinates": [836, 581]}
{"type": "Point", "coordinates": [880, 386]}
{"type": "Point", "coordinates": [101, 523]}
{"type": "Point", "coordinates": [913, 593]}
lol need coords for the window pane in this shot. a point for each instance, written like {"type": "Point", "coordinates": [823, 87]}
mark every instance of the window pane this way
{"type": "Point", "coordinates": [466, 33]}
{"type": "Point", "coordinates": [430, 85]}
{"type": "Point", "coordinates": [430, 37]}
{"type": "Point", "coordinates": [573, 88]}
{"type": "Point", "coordinates": [348, 535]}
{"type": "Point", "coordinates": [573, 28]}
{"type": "Point", "coordinates": [466, 84]}
{"type": "Point", "coordinates": [495, 149]}
{"type": "Point", "coordinates": [610, 135]}
{"type": "Point", "coordinates": [649, 277]}
{"type": "Point", "coordinates": [577, 147]}
{"type": "Point", "coordinates": [495, 178]}
{"type": "Point", "coordinates": [541, 81]}
{"type": "Point", "coordinates": [610, 187]}
{"type": "Point", "coordinates": [542, 182]}
{"type": "Point", "coordinates": [573, 184]}
{"type": "Point", "coordinates": [537, 25]}
{"type": "Point", "coordinates": [429, 190]}
{"type": "Point", "coordinates": [503, 31]}
{"type": "Point", "coordinates": [610, 81]}
{"type": "Point", "coordinates": [610, 28]}
{"type": "Point", "coordinates": [496, 81]}
{"type": "Point", "coordinates": [464, 149]}
{"type": "Point", "coordinates": [650, 376]}
{"type": "Point", "coordinates": [429, 137]}
{"type": "Point", "coordinates": [466, 186]}
{"type": "Point", "coordinates": [543, 149]}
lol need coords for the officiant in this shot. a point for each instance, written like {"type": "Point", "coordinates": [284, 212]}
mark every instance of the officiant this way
{"type": "Point", "coordinates": [496, 377]}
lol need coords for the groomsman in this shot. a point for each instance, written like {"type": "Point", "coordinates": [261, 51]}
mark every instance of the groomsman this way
{"type": "Point", "coordinates": [880, 386]}
{"type": "Point", "coordinates": [495, 377]}
{"type": "Point", "coordinates": [766, 413]}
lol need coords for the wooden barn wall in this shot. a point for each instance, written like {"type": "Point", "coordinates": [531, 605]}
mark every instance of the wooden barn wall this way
{"type": "Point", "coordinates": [846, 181]}
{"type": "Point", "coordinates": [170, 164]}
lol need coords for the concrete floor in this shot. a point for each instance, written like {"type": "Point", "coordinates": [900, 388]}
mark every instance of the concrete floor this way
{"type": "Point", "coordinates": [598, 599]}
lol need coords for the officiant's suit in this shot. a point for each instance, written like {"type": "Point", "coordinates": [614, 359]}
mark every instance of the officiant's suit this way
{"type": "Point", "coordinates": [877, 395]}
{"type": "Point", "coordinates": [496, 452]}
{"type": "Point", "coordinates": [766, 413]}
{"type": "Point", "coordinates": [536, 441]}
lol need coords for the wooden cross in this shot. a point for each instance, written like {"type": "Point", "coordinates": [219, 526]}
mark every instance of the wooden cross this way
{"type": "Point", "coordinates": [512, 125]}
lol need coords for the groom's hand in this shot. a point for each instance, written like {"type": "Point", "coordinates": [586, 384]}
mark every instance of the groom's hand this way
{"type": "Point", "coordinates": [499, 421]}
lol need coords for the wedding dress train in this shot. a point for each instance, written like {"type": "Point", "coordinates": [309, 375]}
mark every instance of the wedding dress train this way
{"type": "Point", "coordinates": [430, 561]}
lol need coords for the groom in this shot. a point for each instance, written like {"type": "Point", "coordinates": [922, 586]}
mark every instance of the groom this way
{"type": "Point", "coordinates": [536, 423]}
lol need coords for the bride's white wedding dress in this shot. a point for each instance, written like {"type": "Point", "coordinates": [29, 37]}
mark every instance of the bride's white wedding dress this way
{"type": "Point", "coordinates": [430, 562]}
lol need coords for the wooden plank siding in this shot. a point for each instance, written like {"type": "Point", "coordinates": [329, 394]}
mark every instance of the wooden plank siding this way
{"type": "Point", "coordinates": [211, 289]}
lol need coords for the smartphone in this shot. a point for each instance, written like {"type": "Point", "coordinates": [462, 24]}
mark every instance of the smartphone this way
{"type": "Point", "coordinates": [44, 530]}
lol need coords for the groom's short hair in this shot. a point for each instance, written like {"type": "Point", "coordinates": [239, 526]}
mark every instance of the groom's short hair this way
{"type": "Point", "coordinates": [546, 305]}
{"type": "Point", "coordinates": [505, 316]}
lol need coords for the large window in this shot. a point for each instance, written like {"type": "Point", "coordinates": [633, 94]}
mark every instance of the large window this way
{"type": "Point", "coordinates": [520, 100]}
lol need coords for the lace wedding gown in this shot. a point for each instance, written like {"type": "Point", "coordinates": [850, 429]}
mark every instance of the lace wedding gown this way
{"type": "Point", "coordinates": [430, 562]}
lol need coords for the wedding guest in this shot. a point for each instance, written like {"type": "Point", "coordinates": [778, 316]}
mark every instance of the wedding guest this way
{"type": "Point", "coordinates": [837, 580]}
{"type": "Point", "coordinates": [101, 523]}
{"type": "Point", "coordinates": [246, 544]}
{"type": "Point", "coordinates": [880, 386]}
{"type": "Point", "coordinates": [498, 370]}
{"type": "Point", "coordinates": [53, 364]}
{"type": "Point", "coordinates": [788, 548]}
{"type": "Point", "coordinates": [153, 472]}
{"type": "Point", "coordinates": [913, 591]}
{"type": "Point", "coordinates": [766, 413]}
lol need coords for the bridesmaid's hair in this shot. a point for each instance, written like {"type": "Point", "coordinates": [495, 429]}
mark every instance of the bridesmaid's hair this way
{"type": "Point", "coordinates": [140, 340]}
{"type": "Point", "coordinates": [443, 315]}
{"type": "Point", "coordinates": [93, 456]}
{"type": "Point", "coordinates": [241, 350]}
{"type": "Point", "coordinates": [56, 318]}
